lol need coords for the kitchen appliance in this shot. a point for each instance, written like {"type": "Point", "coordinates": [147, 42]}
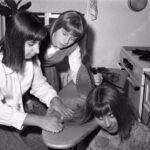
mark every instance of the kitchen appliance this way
{"type": "Point", "coordinates": [146, 101]}
{"type": "Point", "coordinates": [130, 60]}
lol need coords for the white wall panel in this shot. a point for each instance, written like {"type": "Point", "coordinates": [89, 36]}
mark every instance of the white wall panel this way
{"type": "Point", "coordinates": [58, 5]}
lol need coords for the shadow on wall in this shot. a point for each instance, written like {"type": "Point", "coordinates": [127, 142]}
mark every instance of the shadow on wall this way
{"type": "Point", "coordinates": [89, 46]}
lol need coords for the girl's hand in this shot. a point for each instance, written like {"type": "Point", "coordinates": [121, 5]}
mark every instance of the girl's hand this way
{"type": "Point", "coordinates": [57, 105]}
{"type": "Point", "coordinates": [98, 78]}
{"type": "Point", "coordinates": [51, 124]}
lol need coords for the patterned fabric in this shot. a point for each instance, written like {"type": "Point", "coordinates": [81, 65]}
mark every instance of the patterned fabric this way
{"type": "Point", "coordinates": [139, 140]}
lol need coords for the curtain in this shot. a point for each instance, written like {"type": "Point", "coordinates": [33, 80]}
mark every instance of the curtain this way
{"type": "Point", "coordinates": [93, 9]}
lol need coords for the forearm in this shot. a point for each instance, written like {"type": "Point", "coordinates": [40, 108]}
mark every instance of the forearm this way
{"type": "Point", "coordinates": [33, 120]}
{"type": "Point", "coordinates": [51, 124]}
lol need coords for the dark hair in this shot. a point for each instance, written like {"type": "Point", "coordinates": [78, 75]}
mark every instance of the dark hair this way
{"type": "Point", "coordinates": [71, 21]}
{"type": "Point", "coordinates": [21, 27]}
{"type": "Point", "coordinates": [106, 98]}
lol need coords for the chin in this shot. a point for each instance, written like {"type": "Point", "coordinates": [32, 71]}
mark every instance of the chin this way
{"type": "Point", "coordinates": [28, 58]}
{"type": "Point", "coordinates": [113, 131]}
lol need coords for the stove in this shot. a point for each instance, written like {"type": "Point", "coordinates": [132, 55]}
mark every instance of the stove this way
{"type": "Point", "coordinates": [136, 61]}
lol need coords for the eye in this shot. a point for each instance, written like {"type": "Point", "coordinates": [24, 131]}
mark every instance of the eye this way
{"type": "Point", "coordinates": [100, 118]}
{"type": "Point", "coordinates": [111, 115]}
{"type": "Point", "coordinates": [72, 39]}
{"type": "Point", "coordinates": [30, 43]}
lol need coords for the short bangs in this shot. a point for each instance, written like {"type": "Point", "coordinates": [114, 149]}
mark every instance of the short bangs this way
{"type": "Point", "coordinates": [101, 110]}
{"type": "Point", "coordinates": [75, 28]}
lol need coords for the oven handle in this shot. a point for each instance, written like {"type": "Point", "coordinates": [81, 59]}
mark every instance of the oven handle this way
{"type": "Point", "coordinates": [134, 85]}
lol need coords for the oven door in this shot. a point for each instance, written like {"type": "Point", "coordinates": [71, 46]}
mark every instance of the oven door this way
{"type": "Point", "coordinates": [135, 94]}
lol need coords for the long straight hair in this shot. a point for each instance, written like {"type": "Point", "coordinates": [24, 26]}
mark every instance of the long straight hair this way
{"type": "Point", "coordinates": [20, 28]}
{"type": "Point", "coordinates": [106, 98]}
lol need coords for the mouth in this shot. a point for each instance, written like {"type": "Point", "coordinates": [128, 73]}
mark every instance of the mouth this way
{"type": "Point", "coordinates": [112, 130]}
{"type": "Point", "coordinates": [62, 45]}
{"type": "Point", "coordinates": [109, 128]}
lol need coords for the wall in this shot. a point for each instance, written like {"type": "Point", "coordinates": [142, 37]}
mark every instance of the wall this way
{"type": "Point", "coordinates": [57, 5]}
{"type": "Point", "coordinates": [116, 26]}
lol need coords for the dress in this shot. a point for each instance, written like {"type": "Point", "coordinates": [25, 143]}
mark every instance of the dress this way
{"type": "Point", "coordinates": [13, 86]}
{"type": "Point", "coordinates": [139, 140]}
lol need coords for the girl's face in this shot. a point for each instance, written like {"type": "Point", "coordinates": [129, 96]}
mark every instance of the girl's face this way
{"type": "Point", "coordinates": [108, 122]}
{"type": "Point", "coordinates": [61, 38]}
{"type": "Point", "coordinates": [31, 48]}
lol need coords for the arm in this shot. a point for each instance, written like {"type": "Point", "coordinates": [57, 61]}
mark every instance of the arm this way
{"type": "Point", "coordinates": [10, 116]}
{"type": "Point", "coordinates": [75, 62]}
{"type": "Point", "coordinates": [44, 122]}
{"type": "Point", "coordinates": [41, 88]}
{"type": "Point", "coordinates": [11, 108]}
{"type": "Point", "coordinates": [47, 94]}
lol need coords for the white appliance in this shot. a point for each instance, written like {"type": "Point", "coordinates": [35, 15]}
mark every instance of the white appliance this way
{"type": "Point", "coordinates": [135, 68]}
{"type": "Point", "coordinates": [146, 101]}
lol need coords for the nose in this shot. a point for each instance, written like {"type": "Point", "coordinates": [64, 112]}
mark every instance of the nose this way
{"type": "Point", "coordinates": [66, 40]}
{"type": "Point", "coordinates": [107, 122]}
{"type": "Point", "coordinates": [36, 48]}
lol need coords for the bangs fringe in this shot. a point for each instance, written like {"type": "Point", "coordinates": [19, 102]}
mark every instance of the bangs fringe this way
{"type": "Point", "coordinates": [101, 110]}
{"type": "Point", "coordinates": [37, 36]}
{"type": "Point", "coordinates": [75, 29]}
